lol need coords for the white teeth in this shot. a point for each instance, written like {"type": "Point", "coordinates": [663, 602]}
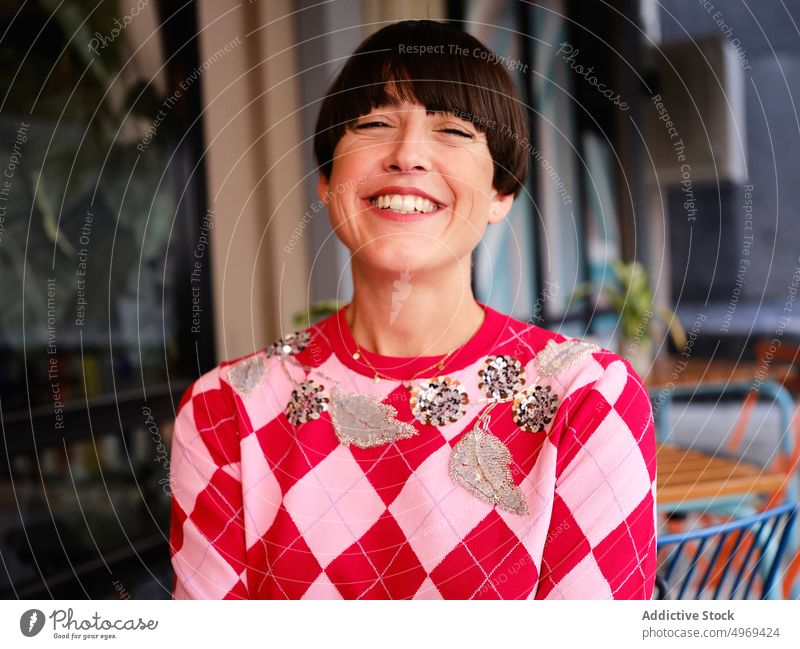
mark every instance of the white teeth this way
{"type": "Point", "coordinates": [405, 204]}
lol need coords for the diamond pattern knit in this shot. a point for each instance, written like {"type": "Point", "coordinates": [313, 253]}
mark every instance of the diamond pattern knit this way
{"type": "Point", "coordinates": [263, 509]}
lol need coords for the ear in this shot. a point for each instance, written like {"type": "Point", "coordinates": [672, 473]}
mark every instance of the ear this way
{"type": "Point", "coordinates": [501, 204]}
{"type": "Point", "coordinates": [322, 186]}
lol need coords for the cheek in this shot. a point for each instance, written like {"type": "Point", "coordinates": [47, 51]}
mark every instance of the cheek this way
{"type": "Point", "coordinates": [351, 160]}
{"type": "Point", "coordinates": [343, 188]}
{"type": "Point", "coordinates": [473, 177]}
{"type": "Point", "coordinates": [342, 216]}
{"type": "Point", "coordinates": [481, 170]}
{"type": "Point", "coordinates": [473, 198]}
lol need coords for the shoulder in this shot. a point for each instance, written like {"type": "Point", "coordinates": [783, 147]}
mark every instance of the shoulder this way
{"type": "Point", "coordinates": [605, 414]}
{"type": "Point", "coordinates": [576, 364]}
{"type": "Point", "coordinates": [584, 374]}
{"type": "Point", "coordinates": [245, 375]}
{"type": "Point", "coordinates": [583, 371]}
{"type": "Point", "coordinates": [555, 353]}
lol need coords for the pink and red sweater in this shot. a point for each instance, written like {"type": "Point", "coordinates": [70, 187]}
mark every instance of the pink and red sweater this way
{"type": "Point", "coordinates": [263, 508]}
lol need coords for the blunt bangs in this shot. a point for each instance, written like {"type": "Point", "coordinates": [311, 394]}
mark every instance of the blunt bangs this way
{"type": "Point", "coordinates": [445, 70]}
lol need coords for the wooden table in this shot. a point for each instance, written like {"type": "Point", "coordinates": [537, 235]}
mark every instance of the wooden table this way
{"type": "Point", "coordinates": [691, 477]}
{"type": "Point", "coordinates": [676, 370]}
{"type": "Point", "coordinates": [687, 479]}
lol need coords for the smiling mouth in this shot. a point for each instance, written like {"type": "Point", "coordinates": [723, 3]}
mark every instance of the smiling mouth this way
{"type": "Point", "coordinates": [405, 204]}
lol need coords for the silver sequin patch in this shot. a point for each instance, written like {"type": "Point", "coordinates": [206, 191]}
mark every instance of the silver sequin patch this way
{"type": "Point", "coordinates": [309, 400]}
{"type": "Point", "coordinates": [556, 357]}
{"type": "Point", "coordinates": [439, 401]}
{"type": "Point", "coordinates": [534, 408]}
{"type": "Point", "coordinates": [290, 344]}
{"type": "Point", "coordinates": [500, 377]}
{"type": "Point", "coordinates": [362, 419]}
{"type": "Point", "coordinates": [247, 376]}
{"type": "Point", "coordinates": [480, 464]}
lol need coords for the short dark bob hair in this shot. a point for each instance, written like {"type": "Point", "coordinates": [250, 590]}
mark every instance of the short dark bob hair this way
{"type": "Point", "coordinates": [445, 70]}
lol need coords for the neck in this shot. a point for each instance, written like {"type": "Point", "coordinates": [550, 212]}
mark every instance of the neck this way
{"type": "Point", "coordinates": [410, 315]}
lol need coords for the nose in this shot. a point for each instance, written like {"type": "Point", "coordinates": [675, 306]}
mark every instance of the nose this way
{"type": "Point", "coordinates": [409, 151]}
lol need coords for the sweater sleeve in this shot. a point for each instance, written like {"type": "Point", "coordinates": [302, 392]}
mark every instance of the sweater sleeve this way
{"type": "Point", "coordinates": [601, 539]}
{"type": "Point", "coordinates": [207, 539]}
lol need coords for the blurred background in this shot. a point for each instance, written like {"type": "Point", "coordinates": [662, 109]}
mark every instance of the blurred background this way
{"type": "Point", "coordinates": [156, 218]}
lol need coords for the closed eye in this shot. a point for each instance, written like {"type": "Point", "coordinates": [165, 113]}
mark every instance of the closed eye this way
{"type": "Point", "coordinates": [456, 131]}
{"type": "Point", "coordinates": [366, 125]}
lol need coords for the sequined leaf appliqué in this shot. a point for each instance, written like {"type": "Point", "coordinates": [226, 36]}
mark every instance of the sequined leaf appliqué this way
{"type": "Point", "coordinates": [557, 357]}
{"type": "Point", "coordinates": [480, 464]}
{"type": "Point", "coordinates": [362, 419]}
{"type": "Point", "coordinates": [247, 376]}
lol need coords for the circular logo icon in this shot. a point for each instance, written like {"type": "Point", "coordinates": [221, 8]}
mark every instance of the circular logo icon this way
{"type": "Point", "coordinates": [31, 622]}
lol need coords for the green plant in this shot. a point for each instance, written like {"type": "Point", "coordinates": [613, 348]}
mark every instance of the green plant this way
{"type": "Point", "coordinates": [629, 294]}
{"type": "Point", "coordinates": [315, 311]}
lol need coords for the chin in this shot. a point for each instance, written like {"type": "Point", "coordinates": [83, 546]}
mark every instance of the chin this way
{"type": "Point", "coordinates": [393, 255]}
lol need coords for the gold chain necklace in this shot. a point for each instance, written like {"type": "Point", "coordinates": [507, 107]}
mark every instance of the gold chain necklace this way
{"type": "Point", "coordinates": [377, 375]}
{"type": "Point", "coordinates": [407, 382]}
{"type": "Point", "coordinates": [492, 401]}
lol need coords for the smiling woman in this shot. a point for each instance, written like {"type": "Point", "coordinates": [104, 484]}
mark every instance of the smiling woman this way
{"type": "Point", "coordinates": [417, 443]}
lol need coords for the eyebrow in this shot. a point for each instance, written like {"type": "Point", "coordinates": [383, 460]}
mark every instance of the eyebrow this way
{"type": "Point", "coordinates": [427, 111]}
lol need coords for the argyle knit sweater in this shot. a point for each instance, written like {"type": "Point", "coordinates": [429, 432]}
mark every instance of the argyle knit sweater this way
{"type": "Point", "coordinates": [265, 506]}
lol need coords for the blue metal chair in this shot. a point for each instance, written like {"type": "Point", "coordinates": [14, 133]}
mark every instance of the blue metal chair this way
{"type": "Point", "coordinates": [728, 561]}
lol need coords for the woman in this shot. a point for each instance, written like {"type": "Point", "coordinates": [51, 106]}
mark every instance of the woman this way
{"type": "Point", "coordinates": [417, 443]}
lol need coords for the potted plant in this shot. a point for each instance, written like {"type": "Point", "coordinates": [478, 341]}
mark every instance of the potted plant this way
{"type": "Point", "coordinates": [315, 312]}
{"type": "Point", "coordinates": [630, 295]}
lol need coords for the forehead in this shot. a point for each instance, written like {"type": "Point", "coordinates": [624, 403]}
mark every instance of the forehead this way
{"type": "Point", "coordinates": [401, 98]}
{"type": "Point", "coordinates": [407, 93]}
{"type": "Point", "coordinates": [408, 107]}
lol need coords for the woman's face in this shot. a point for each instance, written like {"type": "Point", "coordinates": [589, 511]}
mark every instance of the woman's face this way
{"type": "Point", "coordinates": [411, 190]}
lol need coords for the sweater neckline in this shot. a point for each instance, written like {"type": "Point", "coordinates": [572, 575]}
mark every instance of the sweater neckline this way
{"type": "Point", "coordinates": [404, 367]}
